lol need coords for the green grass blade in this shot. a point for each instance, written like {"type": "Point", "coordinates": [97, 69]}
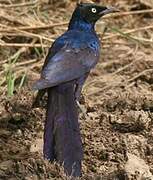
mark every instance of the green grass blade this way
{"type": "Point", "coordinates": [22, 81]}
{"type": "Point", "coordinates": [37, 51]}
{"type": "Point", "coordinates": [124, 35]}
{"type": "Point", "coordinates": [10, 83]}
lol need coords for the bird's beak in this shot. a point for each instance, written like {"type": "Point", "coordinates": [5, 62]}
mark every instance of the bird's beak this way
{"type": "Point", "coordinates": [109, 10]}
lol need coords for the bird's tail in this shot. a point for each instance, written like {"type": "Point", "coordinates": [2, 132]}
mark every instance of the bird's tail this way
{"type": "Point", "coordinates": [62, 141]}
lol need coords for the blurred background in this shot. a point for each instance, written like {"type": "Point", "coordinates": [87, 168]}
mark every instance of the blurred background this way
{"type": "Point", "coordinates": [118, 98]}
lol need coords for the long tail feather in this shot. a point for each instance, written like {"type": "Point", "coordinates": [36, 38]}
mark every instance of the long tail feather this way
{"type": "Point", "coordinates": [62, 140]}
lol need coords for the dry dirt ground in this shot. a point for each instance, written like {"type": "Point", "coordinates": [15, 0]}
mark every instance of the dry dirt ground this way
{"type": "Point", "coordinates": [117, 132]}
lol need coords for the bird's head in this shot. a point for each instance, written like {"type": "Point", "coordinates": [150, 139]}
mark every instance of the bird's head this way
{"type": "Point", "coordinates": [91, 13]}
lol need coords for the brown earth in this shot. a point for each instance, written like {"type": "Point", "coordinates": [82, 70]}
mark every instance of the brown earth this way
{"type": "Point", "coordinates": [117, 131]}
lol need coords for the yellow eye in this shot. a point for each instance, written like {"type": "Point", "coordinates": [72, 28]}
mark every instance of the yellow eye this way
{"type": "Point", "coordinates": [94, 10]}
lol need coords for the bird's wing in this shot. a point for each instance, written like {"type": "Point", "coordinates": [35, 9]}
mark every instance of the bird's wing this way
{"type": "Point", "coordinates": [58, 44]}
{"type": "Point", "coordinates": [68, 64]}
{"type": "Point", "coordinates": [56, 47]}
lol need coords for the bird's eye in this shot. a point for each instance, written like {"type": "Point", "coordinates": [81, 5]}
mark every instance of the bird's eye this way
{"type": "Point", "coordinates": [94, 10]}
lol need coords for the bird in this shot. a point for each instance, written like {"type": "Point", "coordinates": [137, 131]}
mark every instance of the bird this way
{"type": "Point", "coordinates": [65, 70]}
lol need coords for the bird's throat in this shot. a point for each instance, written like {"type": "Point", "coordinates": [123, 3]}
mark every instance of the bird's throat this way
{"type": "Point", "coordinates": [81, 25]}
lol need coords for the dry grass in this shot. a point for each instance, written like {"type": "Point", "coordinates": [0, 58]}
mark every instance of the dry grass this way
{"type": "Point", "coordinates": [33, 25]}
{"type": "Point", "coordinates": [26, 27]}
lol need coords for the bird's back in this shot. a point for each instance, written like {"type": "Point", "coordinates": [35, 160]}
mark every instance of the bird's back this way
{"type": "Point", "coordinates": [72, 55]}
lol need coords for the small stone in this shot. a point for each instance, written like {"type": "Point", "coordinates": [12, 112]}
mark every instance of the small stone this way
{"type": "Point", "coordinates": [19, 132]}
{"type": "Point", "coordinates": [137, 167]}
{"type": "Point", "coordinates": [33, 177]}
{"type": "Point", "coordinates": [6, 165]}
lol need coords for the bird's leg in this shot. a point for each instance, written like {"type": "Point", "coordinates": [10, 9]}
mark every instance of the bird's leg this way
{"type": "Point", "coordinates": [38, 98]}
{"type": "Point", "coordinates": [79, 85]}
{"type": "Point", "coordinates": [83, 110]}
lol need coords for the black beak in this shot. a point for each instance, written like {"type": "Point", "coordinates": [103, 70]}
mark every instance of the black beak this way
{"type": "Point", "coordinates": [108, 10]}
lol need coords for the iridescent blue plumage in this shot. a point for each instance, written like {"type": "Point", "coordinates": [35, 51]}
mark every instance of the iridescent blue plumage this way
{"type": "Point", "coordinates": [65, 70]}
